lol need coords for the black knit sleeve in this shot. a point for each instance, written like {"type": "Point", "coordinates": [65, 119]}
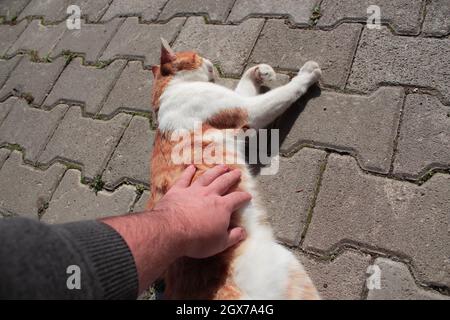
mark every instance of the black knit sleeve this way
{"type": "Point", "coordinates": [80, 260]}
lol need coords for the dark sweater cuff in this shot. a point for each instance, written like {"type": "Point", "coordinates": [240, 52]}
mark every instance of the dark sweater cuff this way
{"type": "Point", "coordinates": [108, 255]}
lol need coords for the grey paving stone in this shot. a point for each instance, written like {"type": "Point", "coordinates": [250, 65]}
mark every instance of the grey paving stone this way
{"type": "Point", "coordinates": [24, 189]}
{"type": "Point", "coordinates": [403, 15]}
{"type": "Point", "coordinates": [400, 60]}
{"type": "Point", "coordinates": [141, 204]}
{"type": "Point", "coordinates": [9, 34]}
{"type": "Point", "coordinates": [6, 66]}
{"type": "Point", "coordinates": [4, 153]}
{"type": "Point", "coordinates": [33, 79]}
{"type": "Point", "coordinates": [226, 45]}
{"type": "Point", "coordinates": [288, 195]}
{"type": "Point", "coordinates": [56, 10]}
{"type": "Point", "coordinates": [363, 125]}
{"type": "Point", "coordinates": [298, 12]}
{"type": "Point", "coordinates": [90, 39]}
{"type": "Point", "coordinates": [217, 10]}
{"type": "Point", "coordinates": [145, 41]}
{"type": "Point", "coordinates": [39, 38]}
{"type": "Point", "coordinates": [401, 217]}
{"type": "Point", "coordinates": [148, 10]}
{"type": "Point", "coordinates": [10, 10]}
{"type": "Point", "coordinates": [5, 107]}
{"type": "Point", "coordinates": [74, 201]}
{"type": "Point", "coordinates": [286, 48]}
{"type": "Point", "coordinates": [397, 283]}
{"type": "Point", "coordinates": [132, 91]}
{"type": "Point", "coordinates": [85, 85]}
{"type": "Point", "coordinates": [131, 158]}
{"type": "Point", "coordinates": [343, 278]}
{"type": "Point", "coordinates": [85, 141]}
{"type": "Point", "coordinates": [437, 22]}
{"type": "Point", "coordinates": [29, 127]}
{"type": "Point", "coordinates": [424, 140]}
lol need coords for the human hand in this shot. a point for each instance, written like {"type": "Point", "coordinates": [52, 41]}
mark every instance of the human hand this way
{"type": "Point", "coordinates": [201, 211]}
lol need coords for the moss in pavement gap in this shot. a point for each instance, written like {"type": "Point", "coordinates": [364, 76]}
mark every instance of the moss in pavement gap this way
{"type": "Point", "coordinates": [315, 16]}
{"type": "Point", "coordinates": [97, 184]}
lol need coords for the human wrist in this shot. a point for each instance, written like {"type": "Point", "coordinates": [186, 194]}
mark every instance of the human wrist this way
{"type": "Point", "coordinates": [174, 228]}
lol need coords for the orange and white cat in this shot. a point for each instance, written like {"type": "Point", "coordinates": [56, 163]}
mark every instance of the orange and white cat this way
{"type": "Point", "coordinates": [183, 95]}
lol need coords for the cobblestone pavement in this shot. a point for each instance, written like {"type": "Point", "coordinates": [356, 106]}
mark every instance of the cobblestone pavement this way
{"type": "Point", "coordinates": [365, 169]}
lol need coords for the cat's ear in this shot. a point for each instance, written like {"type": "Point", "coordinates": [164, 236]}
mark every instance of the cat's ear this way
{"type": "Point", "coordinates": [155, 70]}
{"type": "Point", "coordinates": [167, 54]}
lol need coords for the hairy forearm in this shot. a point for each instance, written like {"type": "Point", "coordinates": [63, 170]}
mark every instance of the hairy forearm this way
{"type": "Point", "coordinates": [153, 239]}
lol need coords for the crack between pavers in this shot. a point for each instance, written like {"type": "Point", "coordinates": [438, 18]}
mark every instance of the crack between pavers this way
{"type": "Point", "coordinates": [397, 136]}
{"type": "Point", "coordinates": [104, 12]}
{"type": "Point", "coordinates": [229, 11]}
{"type": "Point", "coordinates": [114, 148]}
{"type": "Point", "coordinates": [342, 246]}
{"type": "Point", "coordinates": [355, 50]}
{"type": "Point", "coordinates": [247, 60]}
{"type": "Point", "coordinates": [110, 88]}
{"type": "Point", "coordinates": [323, 166]}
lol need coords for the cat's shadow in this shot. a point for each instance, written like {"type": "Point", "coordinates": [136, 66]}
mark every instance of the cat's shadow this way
{"type": "Point", "coordinates": [284, 123]}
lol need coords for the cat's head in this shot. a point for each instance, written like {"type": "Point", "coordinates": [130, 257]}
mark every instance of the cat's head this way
{"type": "Point", "coordinates": [180, 66]}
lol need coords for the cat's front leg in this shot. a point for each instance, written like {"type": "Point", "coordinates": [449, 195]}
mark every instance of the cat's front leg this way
{"type": "Point", "coordinates": [255, 77]}
{"type": "Point", "coordinates": [265, 108]}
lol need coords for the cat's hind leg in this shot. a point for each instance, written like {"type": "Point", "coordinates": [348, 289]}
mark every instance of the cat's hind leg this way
{"type": "Point", "coordinates": [255, 77]}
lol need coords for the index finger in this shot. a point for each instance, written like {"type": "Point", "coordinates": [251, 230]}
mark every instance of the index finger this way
{"type": "Point", "coordinates": [185, 179]}
{"type": "Point", "coordinates": [236, 200]}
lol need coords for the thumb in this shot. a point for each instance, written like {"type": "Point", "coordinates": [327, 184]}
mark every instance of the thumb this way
{"type": "Point", "coordinates": [235, 236]}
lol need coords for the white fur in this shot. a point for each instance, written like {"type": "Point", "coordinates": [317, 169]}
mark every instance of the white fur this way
{"type": "Point", "coordinates": [262, 270]}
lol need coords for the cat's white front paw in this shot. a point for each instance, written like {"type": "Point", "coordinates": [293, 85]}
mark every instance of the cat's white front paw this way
{"type": "Point", "coordinates": [262, 74]}
{"type": "Point", "coordinates": [311, 70]}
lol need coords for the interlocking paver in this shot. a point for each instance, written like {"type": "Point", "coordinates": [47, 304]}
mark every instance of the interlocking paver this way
{"type": "Point", "coordinates": [288, 48]}
{"type": "Point", "coordinates": [39, 38]}
{"type": "Point", "coordinates": [341, 278]}
{"type": "Point", "coordinates": [226, 45]}
{"type": "Point", "coordinates": [131, 158]}
{"type": "Point", "coordinates": [217, 10]}
{"type": "Point", "coordinates": [145, 41]}
{"type": "Point", "coordinates": [437, 22]}
{"type": "Point", "coordinates": [364, 125]}
{"type": "Point", "coordinates": [141, 204]}
{"type": "Point", "coordinates": [85, 141]}
{"type": "Point", "coordinates": [32, 186]}
{"type": "Point", "coordinates": [56, 10]}
{"type": "Point", "coordinates": [397, 283]}
{"type": "Point", "coordinates": [74, 201]}
{"type": "Point", "coordinates": [85, 85]}
{"type": "Point", "coordinates": [400, 60]}
{"type": "Point", "coordinates": [6, 66]}
{"type": "Point", "coordinates": [132, 90]}
{"type": "Point", "coordinates": [298, 11]}
{"type": "Point", "coordinates": [403, 15]}
{"type": "Point", "coordinates": [424, 140]}
{"type": "Point", "coordinates": [11, 9]}
{"type": "Point", "coordinates": [90, 39]}
{"type": "Point", "coordinates": [288, 195]}
{"type": "Point", "coordinates": [148, 10]}
{"type": "Point", "coordinates": [33, 80]}
{"type": "Point", "coordinates": [30, 128]}
{"type": "Point", "coordinates": [392, 215]}
{"type": "Point", "coordinates": [9, 34]}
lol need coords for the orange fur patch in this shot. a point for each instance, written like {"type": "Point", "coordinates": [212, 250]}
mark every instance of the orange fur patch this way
{"type": "Point", "coordinates": [190, 278]}
{"type": "Point", "coordinates": [236, 118]}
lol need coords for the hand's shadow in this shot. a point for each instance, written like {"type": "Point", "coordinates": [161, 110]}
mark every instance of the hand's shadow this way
{"type": "Point", "coordinates": [284, 124]}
